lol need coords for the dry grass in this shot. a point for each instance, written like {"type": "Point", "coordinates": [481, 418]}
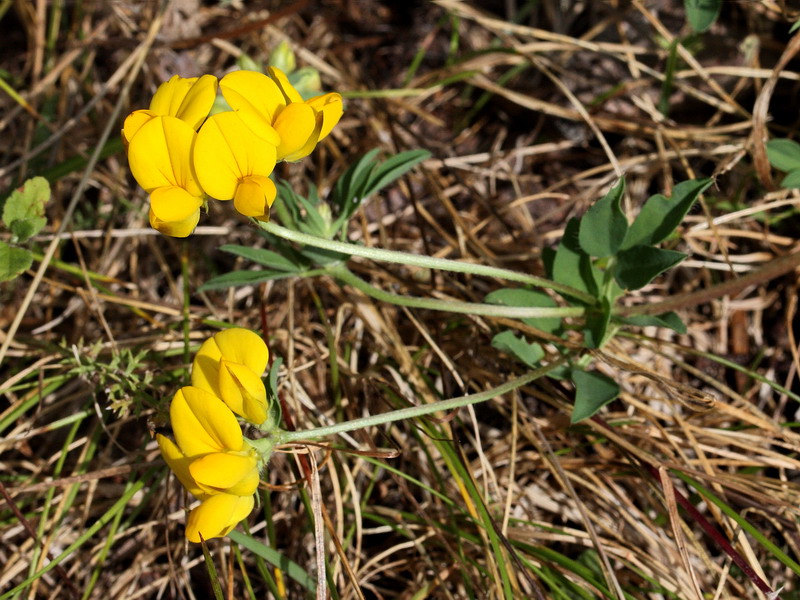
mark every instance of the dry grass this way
{"type": "Point", "coordinates": [527, 123]}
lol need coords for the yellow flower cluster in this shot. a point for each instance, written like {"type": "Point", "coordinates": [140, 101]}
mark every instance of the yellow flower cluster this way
{"type": "Point", "coordinates": [180, 155]}
{"type": "Point", "coordinates": [210, 456]}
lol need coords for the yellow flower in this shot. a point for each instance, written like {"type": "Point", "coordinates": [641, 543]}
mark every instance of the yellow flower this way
{"type": "Point", "coordinates": [233, 162]}
{"type": "Point", "coordinates": [229, 365]}
{"type": "Point", "coordinates": [211, 456]}
{"type": "Point", "coordinates": [159, 156]}
{"type": "Point", "coordinates": [217, 515]}
{"type": "Point", "coordinates": [263, 100]}
{"type": "Point", "coordinates": [189, 100]}
{"type": "Point", "coordinates": [211, 460]}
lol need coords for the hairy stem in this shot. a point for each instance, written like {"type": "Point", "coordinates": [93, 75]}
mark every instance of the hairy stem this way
{"type": "Point", "coordinates": [427, 262]}
{"type": "Point", "coordinates": [417, 411]}
{"type": "Point", "coordinates": [344, 275]}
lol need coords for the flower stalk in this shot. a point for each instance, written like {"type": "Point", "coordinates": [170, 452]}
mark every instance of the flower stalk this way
{"type": "Point", "coordinates": [285, 437]}
{"type": "Point", "coordinates": [427, 262]}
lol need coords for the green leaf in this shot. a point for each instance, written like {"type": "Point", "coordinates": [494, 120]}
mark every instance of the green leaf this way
{"type": "Point", "coordinates": [784, 154]}
{"type": "Point", "coordinates": [592, 392]}
{"type": "Point", "coordinates": [597, 320]}
{"type": "Point", "coordinates": [794, 27]}
{"type": "Point", "coordinates": [701, 14]}
{"type": "Point", "coordinates": [268, 258]}
{"type": "Point", "coordinates": [23, 212]}
{"type": "Point", "coordinates": [638, 266]}
{"type": "Point", "coordinates": [792, 180]}
{"type": "Point", "coordinates": [392, 169]}
{"type": "Point", "coordinates": [275, 558]}
{"type": "Point", "coordinates": [366, 177]}
{"type": "Point", "coordinates": [13, 261]}
{"type": "Point", "coordinates": [604, 225]}
{"type": "Point", "coordinates": [212, 572]}
{"type": "Point", "coordinates": [572, 266]}
{"type": "Point", "coordinates": [530, 298]}
{"type": "Point", "coordinates": [671, 320]}
{"type": "Point", "coordinates": [660, 216]}
{"type": "Point", "coordinates": [235, 278]}
{"type": "Point", "coordinates": [524, 351]}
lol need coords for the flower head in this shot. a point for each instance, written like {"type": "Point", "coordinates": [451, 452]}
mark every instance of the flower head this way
{"type": "Point", "coordinates": [263, 100]}
{"type": "Point", "coordinates": [229, 365]}
{"type": "Point", "coordinates": [211, 460]}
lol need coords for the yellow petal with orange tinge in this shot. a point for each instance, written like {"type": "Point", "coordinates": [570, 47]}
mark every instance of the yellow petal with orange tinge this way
{"type": "Point", "coordinates": [254, 195]}
{"type": "Point", "coordinates": [227, 151]}
{"type": "Point", "coordinates": [216, 516]}
{"type": "Point", "coordinates": [295, 124]}
{"type": "Point", "coordinates": [175, 228]}
{"type": "Point", "coordinates": [243, 391]}
{"type": "Point", "coordinates": [287, 89]}
{"type": "Point", "coordinates": [133, 122]}
{"type": "Point", "coordinates": [252, 91]}
{"type": "Point", "coordinates": [174, 203]}
{"type": "Point", "coordinates": [203, 424]}
{"type": "Point", "coordinates": [222, 471]}
{"type": "Point", "coordinates": [160, 155]}
{"type": "Point", "coordinates": [331, 107]}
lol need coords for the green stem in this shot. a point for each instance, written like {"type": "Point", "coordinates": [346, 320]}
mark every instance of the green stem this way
{"type": "Point", "coordinates": [343, 274]}
{"type": "Point", "coordinates": [411, 412]}
{"type": "Point", "coordinates": [427, 262]}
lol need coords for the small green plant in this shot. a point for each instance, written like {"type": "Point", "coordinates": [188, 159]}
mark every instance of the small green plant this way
{"type": "Point", "coordinates": [701, 14]}
{"type": "Point", "coordinates": [23, 216]}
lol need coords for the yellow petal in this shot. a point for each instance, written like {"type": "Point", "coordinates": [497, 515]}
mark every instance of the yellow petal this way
{"type": "Point", "coordinates": [296, 125]}
{"type": "Point", "coordinates": [224, 472]}
{"type": "Point", "coordinates": [160, 155]}
{"type": "Point", "coordinates": [216, 516]}
{"type": "Point", "coordinates": [179, 465]}
{"type": "Point", "coordinates": [198, 101]}
{"type": "Point", "coordinates": [227, 151]}
{"type": "Point", "coordinates": [331, 107]}
{"type": "Point", "coordinates": [205, 367]}
{"type": "Point", "coordinates": [252, 91]}
{"type": "Point", "coordinates": [242, 346]}
{"type": "Point", "coordinates": [243, 391]}
{"type": "Point", "coordinates": [254, 195]}
{"type": "Point", "coordinates": [175, 228]}
{"type": "Point", "coordinates": [174, 203]}
{"type": "Point", "coordinates": [203, 424]}
{"type": "Point", "coordinates": [259, 125]}
{"type": "Point", "coordinates": [170, 94]}
{"type": "Point", "coordinates": [287, 89]}
{"type": "Point", "coordinates": [133, 122]}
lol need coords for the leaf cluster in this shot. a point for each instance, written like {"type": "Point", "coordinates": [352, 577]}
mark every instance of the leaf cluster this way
{"type": "Point", "coordinates": [315, 216]}
{"type": "Point", "coordinates": [23, 216]}
{"type": "Point", "coordinates": [603, 256]}
{"type": "Point", "coordinates": [784, 154]}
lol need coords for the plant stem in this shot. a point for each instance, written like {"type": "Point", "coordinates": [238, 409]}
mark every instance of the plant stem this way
{"type": "Point", "coordinates": [771, 270]}
{"type": "Point", "coordinates": [417, 411]}
{"type": "Point", "coordinates": [427, 262]}
{"type": "Point", "coordinates": [343, 274]}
